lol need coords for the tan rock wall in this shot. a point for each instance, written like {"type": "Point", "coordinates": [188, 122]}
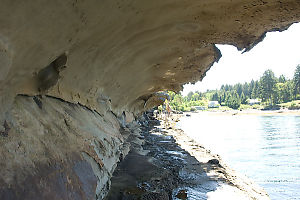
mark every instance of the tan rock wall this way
{"type": "Point", "coordinates": [119, 54]}
{"type": "Point", "coordinates": [58, 150]}
{"type": "Point", "coordinates": [125, 50]}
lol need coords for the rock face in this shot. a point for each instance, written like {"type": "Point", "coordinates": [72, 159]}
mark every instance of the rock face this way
{"type": "Point", "coordinates": [126, 50]}
{"type": "Point", "coordinates": [58, 150]}
{"type": "Point", "coordinates": [104, 62]}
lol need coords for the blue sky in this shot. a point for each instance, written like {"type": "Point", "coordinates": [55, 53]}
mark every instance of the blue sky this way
{"type": "Point", "coordinates": [279, 51]}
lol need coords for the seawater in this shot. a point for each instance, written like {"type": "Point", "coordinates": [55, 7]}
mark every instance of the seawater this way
{"type": "Point", "coordinates": [264, 148]}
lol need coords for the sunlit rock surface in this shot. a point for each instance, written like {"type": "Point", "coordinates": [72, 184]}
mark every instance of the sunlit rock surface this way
{"type": "Point", "coordinates": [104, 61]}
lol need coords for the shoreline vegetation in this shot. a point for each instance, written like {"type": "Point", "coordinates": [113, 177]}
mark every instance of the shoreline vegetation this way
{"type": "Point", "coordinates": [268, 96]}
{"type": "Point", "coordinates": [267, 93]}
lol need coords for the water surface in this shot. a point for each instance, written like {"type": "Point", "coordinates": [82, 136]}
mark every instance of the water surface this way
{"type": "Point", "coordinates": [265, 148]}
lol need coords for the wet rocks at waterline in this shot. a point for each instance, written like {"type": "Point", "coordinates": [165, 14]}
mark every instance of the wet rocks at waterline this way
{"type": "Point", "coordinates": [76, 76]}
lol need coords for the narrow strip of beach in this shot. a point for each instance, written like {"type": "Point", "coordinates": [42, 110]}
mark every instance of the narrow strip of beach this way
{"type": "Point", "coordinates": [166, 164]}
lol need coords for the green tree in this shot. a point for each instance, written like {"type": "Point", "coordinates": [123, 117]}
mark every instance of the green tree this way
{"type": "Point", "coordinates": [195, 97]}
{"type": "Point", "coordinates": [255, 90]}
{"type": "Point", "coordinates": [296, 81]}
{"type": "Point", "coordinates": [200, 94]}
{"type": "Point", "coordinates": [271, 89]}
{"type": "Point", "coordinates": [221, 97]}
{"type": "Point", "coordinates": [251, 86]}
{"type": "Point", "coordinates": [177, 102]}
{"type": "Point", "coordinates": [285, 91]}
{"type": "Point", "coordinates": [227, 87]}
{"type": "Point", "coordinates": [246, 90]}
{"type": "Point", "coordinates": [281, 79]}
{"type": "Point", "coordinates": [228, 99]}
{"type": "Point", "coordinates": [277, 93]}
{"type": "Point", "coordinates": [215, 96]}
{"type": "Point", "coordinates": [288, 91]}
{"type": "Point", "coordinates": [238, 88]}
{"type": "Point", "coordinates": [233, 100]}
{"type": "Point", "coordinates": [243, 98]}
{"type": "Point", "coordinates": [268, 82]}
{"type": "Point", "coordinates": [171, 95]}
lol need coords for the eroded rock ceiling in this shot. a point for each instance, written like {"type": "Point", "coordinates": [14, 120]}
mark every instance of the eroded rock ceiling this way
{"type": "Point", "coordinates": [101, 62]}
{"type": "Point", "coordinates": [124, 51]}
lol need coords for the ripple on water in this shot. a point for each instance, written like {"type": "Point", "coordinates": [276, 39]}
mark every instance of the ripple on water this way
{"type": "Point", "coordinates": [265, 148]}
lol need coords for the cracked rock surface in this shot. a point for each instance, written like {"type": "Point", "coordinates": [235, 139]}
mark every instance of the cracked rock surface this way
{"type": "Point", "coordinates": [124, 50]}
{"type": "Point", "coordinates": [75, 74]}
{"type": "Point", "coordinates": [58, 150]}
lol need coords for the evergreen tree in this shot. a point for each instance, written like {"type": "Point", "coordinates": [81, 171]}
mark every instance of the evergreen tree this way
{"type": "Point", "coordinates": [238, 88]}
{"type": "Point", "coordinates": [215, 96]}
{"type": "Point", "coordinates": [255, 91]}
{"type": "Point", "coordinates": [288, 89]}
{"type": "Point", "coordinates": [281, 79]}
{"type": "Point", "coordinates": [269, 88]}
{"type": "Point", "coordinates": [226, 88]}
{"type": "Point", "coordinates": [223, 87]}
{"type": "Point", "coordinates": [268, 82]}
{"type": "Point", "coordinates": [285, 91]}
{"type": "Point", "coordinates": [233, 100]}
{"type": "Point", "coordinates": [246, 90]}
{"type": "Point", "coordinates": [251, 86]}
{"type": "Point", "coordinates": [243, 98]}
{"type": "Point", "coordinates": [277, 93]}
{"type": "Point", "coordinates": [222, 97]}
{"type": "Point", "coordinates": [227, 98]}
{"type": "Point", "coordinates": [296, 81]}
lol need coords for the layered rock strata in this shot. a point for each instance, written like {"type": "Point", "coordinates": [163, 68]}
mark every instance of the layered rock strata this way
{"type": "Point", "coordinates": [102, 63]}
{"type": "Point", "coordinates": [124, 50]}
{"type": "Point", "coordinates": [54, 149]}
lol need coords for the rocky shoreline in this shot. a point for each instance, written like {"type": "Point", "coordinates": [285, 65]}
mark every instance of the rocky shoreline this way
{"type": "Point", "coordinates": [164, 163]}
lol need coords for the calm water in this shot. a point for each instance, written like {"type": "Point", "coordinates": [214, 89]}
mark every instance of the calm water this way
{"type": "Point", "coordinates": [265, 148]}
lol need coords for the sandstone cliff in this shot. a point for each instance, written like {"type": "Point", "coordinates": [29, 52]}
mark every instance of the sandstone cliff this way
{"type": "Point", "coordinates": [75, 73]}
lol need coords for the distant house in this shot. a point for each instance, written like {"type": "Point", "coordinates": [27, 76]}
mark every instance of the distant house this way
{"type": "Point", "coordinates": [213, 104]}
{"type": "Point", "coordinates": [200, 107]}
{"type": "Point", "coordinates": [253, 101]}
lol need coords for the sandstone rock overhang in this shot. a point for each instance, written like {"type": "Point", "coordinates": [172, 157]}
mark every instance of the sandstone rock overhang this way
{"type": "Point", "coordinates": [124, 51]}
{"type": "Point", "coordinates": [101, 62]}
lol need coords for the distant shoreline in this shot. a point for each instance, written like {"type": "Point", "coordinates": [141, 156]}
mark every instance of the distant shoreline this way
{"type": "Point", "coordinates": [250, 112]}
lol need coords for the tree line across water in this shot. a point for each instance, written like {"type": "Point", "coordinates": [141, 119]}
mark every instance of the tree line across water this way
{"type": "Point", "coordinates": [269, 89]}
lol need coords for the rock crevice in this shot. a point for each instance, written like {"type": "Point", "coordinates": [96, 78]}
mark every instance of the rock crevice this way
{"type": "Point", "coordinates": [56, 149]}
{"type": "Point", "coordinates": [73, 124]}
{"type": "Point", "coordinates": [124, 50]}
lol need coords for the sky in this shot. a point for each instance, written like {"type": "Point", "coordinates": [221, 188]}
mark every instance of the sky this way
{"type": "Point", "coordinates": [279, 51]}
